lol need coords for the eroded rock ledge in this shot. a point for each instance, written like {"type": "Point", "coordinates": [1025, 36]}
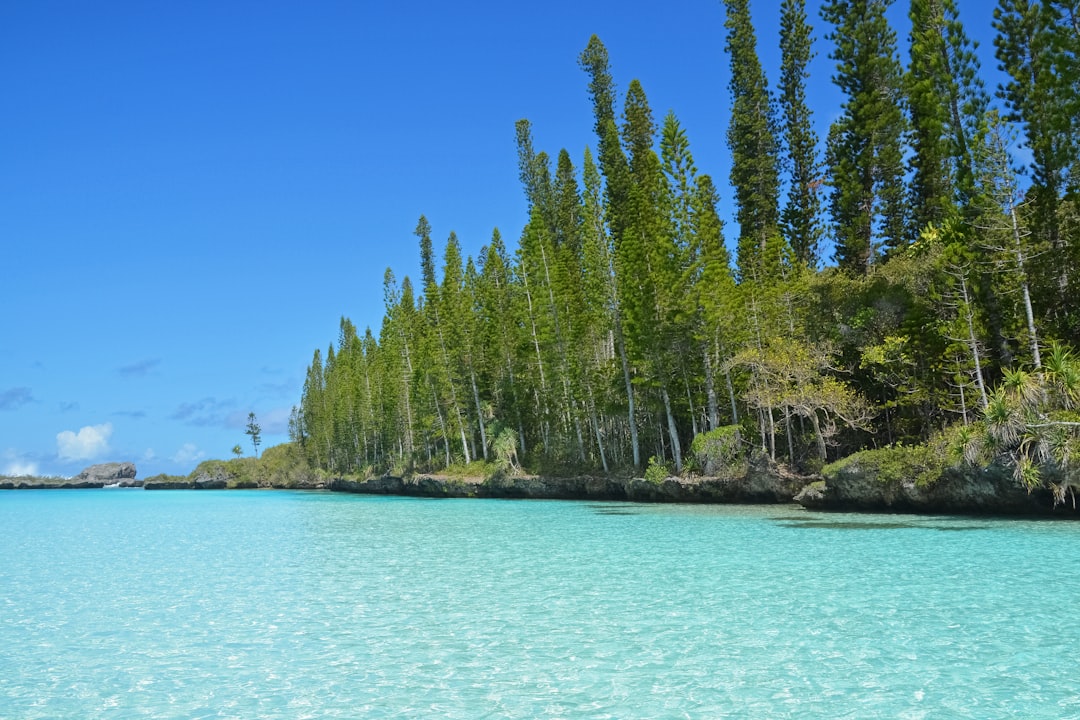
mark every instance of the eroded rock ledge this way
{"type": "Point", "coordinates": [762, 483]}
{"type": "Point", "coordinates": [858, 486]}
{"type": "Point", "coordinates": [112, 474]}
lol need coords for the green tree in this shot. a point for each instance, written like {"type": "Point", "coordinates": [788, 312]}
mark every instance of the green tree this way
{"type": "Point", "coordinates": [799, 217]}
{"type": "Point", "coordinates": [647, 262]}
{"type": "Point", "coordinates": [751, 136]}
{"type": "Point", "coordinates": [1037, 47]}
{"type": "Point", "coordinates": [254, 432]}
{"type": "Point", "coordinates": [616, 173]}
{"type": "Point", "coordinates": [865, 152]}
{"type": "Point", "coordinates": [237, 450]}
{"type": "Point", "coordinates": [947, 102]}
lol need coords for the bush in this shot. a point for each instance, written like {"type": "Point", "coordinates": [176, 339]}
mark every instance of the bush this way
{"type": "Point", "coordinates": [657, 471]}
{"type": "Point", "coordinates": [719, 451]}
{"type": "Point", "coordinates": [924, 464]}
{"type": "Point", "coordinates": [285, 466]}
{"type": "Point", "coordinates": [281, 466]}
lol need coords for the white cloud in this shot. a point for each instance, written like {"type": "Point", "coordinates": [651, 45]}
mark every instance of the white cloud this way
{"type": "Point", "coordinates": [18, 468]}
{"type": "Point", "coordinates": [87, 444]}
{"type": "Point", "coordinates": [187, 454]}
{"type": "Point", "coordinates": [149, 454]}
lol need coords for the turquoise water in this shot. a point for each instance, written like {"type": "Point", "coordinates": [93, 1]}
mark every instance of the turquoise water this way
{"type": "Point", "coordinates": [127, 604]}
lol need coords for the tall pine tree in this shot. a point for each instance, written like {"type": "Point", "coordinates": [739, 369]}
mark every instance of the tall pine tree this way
{"type": "Point", "coordinates": [800, 216]}
{"type": "Point", "coordinates": [752, 138]}
{"type": "Point", "coordinates": [865, 153]}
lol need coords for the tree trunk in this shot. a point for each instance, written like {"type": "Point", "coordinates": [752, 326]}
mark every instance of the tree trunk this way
{"type": "Point", "coordinates": [822, 450]}
{"type": "Point", "coordinates": [673, 431]}
{"type": "Point", "coordinates": [1028, 314]}
{"type": "Point", "coordinates": [710, 392]}
{"type": "Point", "coordinates": [621, 343]}
{"type": "Point", "coordinates": [479, 415]}
{"type": "Point", "coordinates": [973, 344]}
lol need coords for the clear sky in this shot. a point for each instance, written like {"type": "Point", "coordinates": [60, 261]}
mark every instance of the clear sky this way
{"type": "Point", "coordinates": [192, 194]}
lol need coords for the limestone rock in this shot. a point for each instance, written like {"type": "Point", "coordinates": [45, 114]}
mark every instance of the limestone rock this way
{"type": "Point", "coordinates": [990, 490]}
{"type": "Point", "coordinates": [111, 473]}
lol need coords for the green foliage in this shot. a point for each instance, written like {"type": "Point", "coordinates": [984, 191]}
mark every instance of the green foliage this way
{"type": "Point", "coordinates": [618, 319]}
{"type": "Point", "coordinates": [505, 449]}
{"type": "Point", "coordinates": [285, 466]}
{"type": "Point", "coordinates": [254, 432]}
{"type": "Point", "coordinates": [473, 469]}
{"type": "Point", "coordinates": [280, 466]}
{"type": "Point", "coordinates": [865, 153]}
{"type": "Point", "coordinates": [657, 471]}
{"type": "Point", "coordinates": [922, 464]}
{"type": "Point", "coordinates": [719, 451]}
{"type": "Point", "coordinates": [799, 217]}
{"type": "Point", "coordinates": [754, 148]}
{"type": "Point", "coordinates": [1031, 423]}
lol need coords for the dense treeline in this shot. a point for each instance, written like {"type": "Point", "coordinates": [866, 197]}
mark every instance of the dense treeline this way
{"type": "Point", "coordinates": [620, 328]}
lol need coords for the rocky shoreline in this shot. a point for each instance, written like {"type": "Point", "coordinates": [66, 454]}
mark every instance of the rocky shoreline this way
{"type": "Point", "coordinates": [857, 487]}
{"type": "Point", "coordinates": [860, 483]}
{"type": "Point", "coordinates": [750, 489]}
{"type": "Point", "coordinates": [114, 474]}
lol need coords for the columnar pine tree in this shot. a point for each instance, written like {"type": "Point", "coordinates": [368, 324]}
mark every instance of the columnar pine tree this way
{"type": "Point", "coordinates": [751, 136]}
{"type": "Point", "coordinates": [646, 260]}
{"type": "Point", "coordinates": [947, 103]}
{"type": "Point", "coordinates": [616, 173]}
{"type": "Point", "coordinates": [799, 217]}
{"type": "Point", "coordinates": [865, 154]}
{"type": "Point", "coordinates": [1037, 47]}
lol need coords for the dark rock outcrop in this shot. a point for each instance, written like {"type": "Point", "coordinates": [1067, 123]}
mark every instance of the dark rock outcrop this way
{"type": "Point", "coordinates": [47, 483]}
{"type": "Point", "coordinates": [992, 490]}
{"type": "Point", "coordinates": [196, 481]}
{"type": "Point", "coordinates": [762, 483]}
{"type": "Point", "coordinates": [176, 482]}
{"type": "Point", "coordinates": [120, 474]}
{"type": "Point", "coordinates": [113, 474]}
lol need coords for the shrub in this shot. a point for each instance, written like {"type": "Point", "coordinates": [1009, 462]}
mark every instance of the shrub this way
{"type": "Point", "coordinates": [657, 471]}
{"type": "Point", "coordinates": [924, 464]}
{"type": "Point", "coordinates": [719, 451]}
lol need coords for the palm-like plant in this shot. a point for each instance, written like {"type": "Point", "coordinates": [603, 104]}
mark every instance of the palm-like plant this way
{"type": "Point", "coordinates": [1030, 423]}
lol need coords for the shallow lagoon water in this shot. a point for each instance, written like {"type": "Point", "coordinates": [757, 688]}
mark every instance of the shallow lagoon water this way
{"type": "Point", "coordinates": [186, 604]}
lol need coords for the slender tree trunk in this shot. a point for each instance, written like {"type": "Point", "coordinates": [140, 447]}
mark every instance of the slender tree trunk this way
{"type": "Point", "coordinates": [963, 401]}
{"type": "Point", "coordinates": [620, 342]}
{"type": "Point", "coordinates": [407, 372]}
{"type": "Point", "coordinates": [673, 431]}
{"type": "Point", "coordinates": [790, 441]}
{"type": "Point", "coordinates": [517, 405]}
{"type": "Point", "coordinates": [710, 391]}
{"type": "Point", "coordinates": [596, 427]}
{"type": "Point", "coordinates": [772, 435]}
{"type": "Point", "coordinates": [535, 339]}
{"type": "Point", "coordinates": [442, 422]}
{"type": "Point", "coordinates": [690, 401]}
{"type": "Point", "coordinates": [731, 397]}
{"type": "Point", "coordinates": [822, 450]}
{"type": "Point", "coordinates": [1028, 314]}
{"type": "Point", "coordinates": [479, 414]}
{"type": "Point", "coordinates": [973, 344]}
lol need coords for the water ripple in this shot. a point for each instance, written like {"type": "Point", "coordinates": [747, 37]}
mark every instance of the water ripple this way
{"type": "Point", "coordinates": [282, 605]}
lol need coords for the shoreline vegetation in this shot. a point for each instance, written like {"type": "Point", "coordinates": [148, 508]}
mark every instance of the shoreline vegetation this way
{"type": "Point", "coordinates": [622, 350]}
{"type": "Point", "coordinates": [924, 366]}
{"type": "Point", "coordinates": [898, 479]}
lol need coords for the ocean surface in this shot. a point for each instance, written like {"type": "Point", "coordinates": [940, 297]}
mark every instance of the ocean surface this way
{"type": "Point", "coordinates": [272, 604]}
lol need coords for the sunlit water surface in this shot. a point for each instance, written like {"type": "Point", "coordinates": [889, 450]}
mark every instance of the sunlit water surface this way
{"type": "Point", "coordinates": [126, 603]}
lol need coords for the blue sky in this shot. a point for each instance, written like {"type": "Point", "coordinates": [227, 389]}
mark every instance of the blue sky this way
{"type": "Point", "coordinates": [192, 194]}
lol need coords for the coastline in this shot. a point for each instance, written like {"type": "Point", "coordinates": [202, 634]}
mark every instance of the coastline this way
{"type": "Point", "coordinates": [859, 484]}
